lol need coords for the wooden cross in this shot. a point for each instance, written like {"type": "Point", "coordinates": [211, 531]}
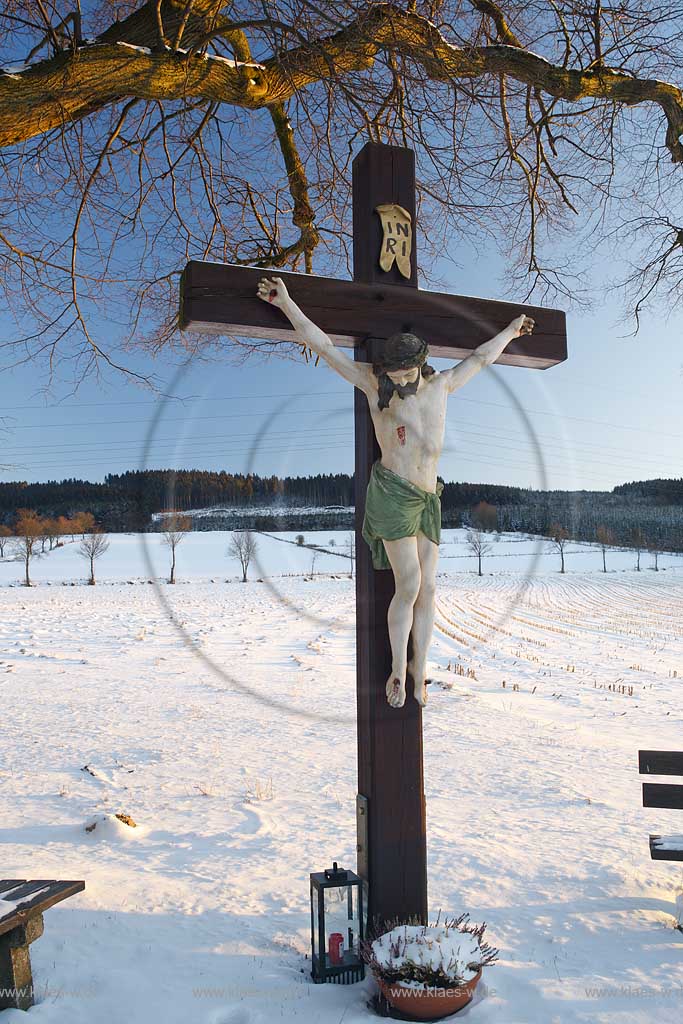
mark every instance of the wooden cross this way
{"type": "Point", "coordinates": [392, 846]}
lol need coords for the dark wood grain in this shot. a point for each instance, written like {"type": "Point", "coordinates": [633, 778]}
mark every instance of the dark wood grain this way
{"type": "Point", "coordinates": [221, 299]}
{"type": "Point", "coordinates": [390, 762]}
{"type": "Point", "coordinates": [660, 762]}
{"type": "Point", "coordinates": [58, 891]}
{"type": "Point", "coordinates": [661, 794]}
{"type": "Point", "coordinates": [385, 171]}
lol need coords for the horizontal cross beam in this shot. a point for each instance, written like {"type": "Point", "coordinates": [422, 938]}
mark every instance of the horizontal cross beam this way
{"type": "Point", "coordinates": [221, 299]}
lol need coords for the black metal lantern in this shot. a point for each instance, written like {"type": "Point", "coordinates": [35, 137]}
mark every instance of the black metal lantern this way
{"type": "Point", "coordinates": [338, 910]}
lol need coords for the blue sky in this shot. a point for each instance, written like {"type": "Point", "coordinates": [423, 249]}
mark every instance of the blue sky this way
{"type": "Point", "coordinates": [611, 413]}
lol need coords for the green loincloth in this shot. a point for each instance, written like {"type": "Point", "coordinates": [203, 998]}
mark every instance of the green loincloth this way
{"type": "Point", "coordinates": [395, 507]}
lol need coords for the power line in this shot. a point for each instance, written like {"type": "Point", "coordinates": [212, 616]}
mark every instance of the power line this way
{"type": "Point", "coordinates": [121, 449]}
{"type": "Point", "coordinates": [577, 419]}
{"type": "Point", "coordinates": [486, 459]}
{"type": "Point", "coordinates": [195, 419]}
{"type": "Point", "coordinates": [155, 401]}
{"type": "Point", "coordinates": [308, 395]}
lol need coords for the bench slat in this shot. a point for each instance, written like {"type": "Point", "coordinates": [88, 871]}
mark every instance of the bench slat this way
{"type": "Point", "coordinates": [9, 883]}
{"type": "Point", "coordinates": [662, 794]}
{"type": "Point", "coordinates": [59, 890]}
{"type": "Point", "coordinates": [660, 762]}
{"type": "Point", "coordinates": [23, 889]}
{"type": "Point", "coordinates": [657, 853]}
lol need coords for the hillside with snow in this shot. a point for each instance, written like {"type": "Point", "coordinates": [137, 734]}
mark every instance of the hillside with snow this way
{"type": "Point", "coordinates": [220, 717]}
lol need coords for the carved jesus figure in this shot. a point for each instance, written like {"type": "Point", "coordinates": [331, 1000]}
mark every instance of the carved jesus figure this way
{"type": "Point", "coordinates": [402, 522]}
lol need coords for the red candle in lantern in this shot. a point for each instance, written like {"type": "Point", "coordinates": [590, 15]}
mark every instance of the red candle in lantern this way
{"type": "Point", "coordinates": [336, 948]}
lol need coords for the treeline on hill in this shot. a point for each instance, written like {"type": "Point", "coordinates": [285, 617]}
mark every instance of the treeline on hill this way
{"type": "Point", "coordinates": [127, 502]}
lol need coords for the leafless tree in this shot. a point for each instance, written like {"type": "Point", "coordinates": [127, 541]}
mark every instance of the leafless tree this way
{"type": "Point", "coordinates": [638, 543]}
{"type": "Point", "coordinates": [479, 544]}
{"type": "Point", "coordinates": [136, 134]}
{"type": "Point", "coordinates": [92, 546]}
{"type": "Point", "coordinates": [559, 535]}
{"type": "Point", "coordinates": [351, 548]}
{"type": "Point", "coordinates": [177, 529]}
{"type": "Point", "coordinates": [605, 539]}
{"type": "Point", "coordinates": [63, 527]}
{"type": "Point", "coordinates": [44, 533]}
{"type": "Point", "coordinates": [655, 550]}
{"type": "Point", "coordinates": [28, 530]}
{"type": "Point", "coordinates": [84, 523]}
{"type": "Point", "coordinates": [243, 545]}
{"type": "Point", "coordinates": [484, 517]}
{"type": "Point", "coordinates": [53, 531]}
{"type": "Point", "coordinates": [5, 534]}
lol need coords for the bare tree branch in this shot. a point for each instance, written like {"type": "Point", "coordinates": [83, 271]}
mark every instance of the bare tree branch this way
{"type": "Point", "coordinates": [73, 85]}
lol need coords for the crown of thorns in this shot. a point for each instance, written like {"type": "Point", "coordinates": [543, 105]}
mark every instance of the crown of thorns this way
{"type": "Point", "coordinates": [401, 351]}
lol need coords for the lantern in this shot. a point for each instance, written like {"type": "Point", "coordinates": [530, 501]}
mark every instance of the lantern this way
{"type": "Point", "coordinates": [337, 926]}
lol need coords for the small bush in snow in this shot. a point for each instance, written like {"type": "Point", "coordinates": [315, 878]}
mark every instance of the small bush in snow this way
{"type": "Point", "coordinates": [258, 790]}
{"type": "Point", "coordinates": [436, 956]}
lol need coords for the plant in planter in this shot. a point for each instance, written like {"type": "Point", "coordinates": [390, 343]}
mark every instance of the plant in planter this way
{"type": "Point", "coordinates": [429, 971]}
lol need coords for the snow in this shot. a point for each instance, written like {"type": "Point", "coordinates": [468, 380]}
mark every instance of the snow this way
{"type": "Point", "coordinates": [8, 905]}
{"type": "Point", "coordinates": [132, 46]}
{"type": "Point", "coordinates": [447, 950]}
{"type": "Point", "coordinates": [235, 63]}
{"type": "Point", "coordinates": [247, 511]}
{"type": "Point", "coordinates": [669, 842]}
{"type": "Point", "coordinates": [203, 556]}
{"type": "Point", "coordinates": [232, 745]}
{"type": "Point", "coordinates": [207, 56]}
{"type": "Point", "coordinates": [14, 69]}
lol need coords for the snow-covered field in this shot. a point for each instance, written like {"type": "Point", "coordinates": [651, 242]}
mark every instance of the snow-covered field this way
{"type": "Point", "coordinates": [222, 720]}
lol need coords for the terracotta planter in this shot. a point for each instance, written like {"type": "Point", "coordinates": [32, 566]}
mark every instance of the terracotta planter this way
{"type": "Point", "coordinates": [428, 1003]}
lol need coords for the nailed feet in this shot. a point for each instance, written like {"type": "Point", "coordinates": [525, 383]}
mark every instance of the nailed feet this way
{"type": "Point", "coordinates": [419, 685]}
{"type": "Point", "coordinates": [396, 691]}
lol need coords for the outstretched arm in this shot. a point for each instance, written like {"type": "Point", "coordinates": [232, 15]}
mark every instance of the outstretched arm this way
{"type": "Point", "coordinates": [487, 353]}
{"type": "Point", "coordinates": [273, 290]}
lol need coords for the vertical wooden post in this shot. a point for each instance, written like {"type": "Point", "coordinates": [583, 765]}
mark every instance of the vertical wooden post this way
{"type": "Point", "coordinates": [390, 772]}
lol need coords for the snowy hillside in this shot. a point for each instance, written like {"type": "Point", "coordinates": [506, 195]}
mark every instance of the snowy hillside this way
{"type": "Point", "coordinates": [221, 718]}
{"type": "Point", "coordinates": [204, 556]}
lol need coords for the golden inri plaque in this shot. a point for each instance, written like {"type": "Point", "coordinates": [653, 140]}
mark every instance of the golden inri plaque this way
{"type": "Point", "coordinates": [398, 237]}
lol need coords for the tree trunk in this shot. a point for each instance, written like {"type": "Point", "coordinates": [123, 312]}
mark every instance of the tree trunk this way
{"type": "Point", "coordinates": [28, 581]}
{"type": "Point", "coordinates": [172, 579]}
{"type": "Point", "coordinates": [638, 562]}
{"type": "Point", "coordinates": [562, 557]}
{"type": "Point", "coordinates": [604, 566]}
{"type": "Point", "coordinates": [91, 581]}
{"type": "Point", "coordinates": [479, 557]}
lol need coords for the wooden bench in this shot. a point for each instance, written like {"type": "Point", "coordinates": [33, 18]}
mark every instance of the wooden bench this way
{"type": "Point", "coordinates": [21, 922]}
{"type": "Point", "coordinates": [661, 794]}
